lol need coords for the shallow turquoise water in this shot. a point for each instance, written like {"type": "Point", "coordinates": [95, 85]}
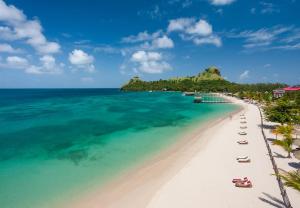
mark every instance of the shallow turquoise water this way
{"type": "Point", "coordinates": [55, 144]}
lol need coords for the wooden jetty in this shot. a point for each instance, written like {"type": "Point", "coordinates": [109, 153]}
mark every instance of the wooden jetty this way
{"type": "Point", "coordinates": [210, 98]}
{"type": "Point", "coordinates": [189, 93]}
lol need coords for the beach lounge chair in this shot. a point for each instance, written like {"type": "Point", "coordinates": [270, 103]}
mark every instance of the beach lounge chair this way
{"type": "Point", "coordinates": [242, 142]}
{"type": "Point", "coordinates": [247, 184]}
{"type": "Point", "coordinates": [242, 133]}
{"type": "Point", "coordinates": [239, 158]}
{"type": "Point", "coordinates": [235, 180]}
{"type": "Point", "coordinates": [243, 127]}
{"type": "Point", "coordinates": [243, 118]}
{"type": "Point", "coordinates": [244, 160]}
{"type": "Point", "coordinates": [243, 122]}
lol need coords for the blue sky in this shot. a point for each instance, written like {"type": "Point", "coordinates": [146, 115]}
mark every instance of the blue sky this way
{"type": "Point", "coordinates": [99, 43]}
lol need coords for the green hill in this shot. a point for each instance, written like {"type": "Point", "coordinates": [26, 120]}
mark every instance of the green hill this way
{"type": "Point", "coordinates": [209, 80]}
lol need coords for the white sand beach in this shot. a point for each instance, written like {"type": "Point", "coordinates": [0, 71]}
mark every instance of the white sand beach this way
{"type": "Point", "coordinates": [206, 179]}
{"type": "Point", "coordinates": [199, 172]}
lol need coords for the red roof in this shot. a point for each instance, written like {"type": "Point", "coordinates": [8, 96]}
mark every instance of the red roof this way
{"type": "Point", "coordinates": [291, 88]}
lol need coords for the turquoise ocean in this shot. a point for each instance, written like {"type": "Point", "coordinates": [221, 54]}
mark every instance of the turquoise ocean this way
{"type": "Point", "coordinates": [58, 143]}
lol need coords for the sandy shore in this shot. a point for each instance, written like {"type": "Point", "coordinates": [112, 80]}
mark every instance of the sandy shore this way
{"type": "Point", "coordinates": [197, 172]}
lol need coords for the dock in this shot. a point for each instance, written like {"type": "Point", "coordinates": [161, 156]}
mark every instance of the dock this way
{"type": "Point", "coordinates": [210, 98]}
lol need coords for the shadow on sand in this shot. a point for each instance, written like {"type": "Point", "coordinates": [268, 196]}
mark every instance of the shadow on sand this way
{"type": "Point", "coordinates": [265, 126]}
{"type": "Point", "coordinates": [294, 165]}
{"type": "Point", "coordinates": [278, 155]}
{"type": "Point", "coordinates": [271, 200]}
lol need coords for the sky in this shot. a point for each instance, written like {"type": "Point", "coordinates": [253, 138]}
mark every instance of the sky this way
{"type": "Point", "coordinates": [103, 43]}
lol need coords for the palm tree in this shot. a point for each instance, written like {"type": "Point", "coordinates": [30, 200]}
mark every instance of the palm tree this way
{"type": "Point", "coordinates": [287, 142]}
{"type": "Point", "coordinates": [291, 179]}
{"type": "Point", "coordinates": [275, 131]}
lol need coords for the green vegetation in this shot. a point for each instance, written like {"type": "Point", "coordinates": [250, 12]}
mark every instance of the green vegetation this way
{"type": "Point", "coordinates": [283, 111]}
{"type": "Point", "coordinates": [287, 142]}
{"type": "Point", "coordinates": [210, 80]}
{"type": "Point", "coordinates": [291, 179]}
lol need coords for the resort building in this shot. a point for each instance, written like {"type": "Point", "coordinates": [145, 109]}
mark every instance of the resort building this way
{"type": "Point", "coordinates": [280, 92]}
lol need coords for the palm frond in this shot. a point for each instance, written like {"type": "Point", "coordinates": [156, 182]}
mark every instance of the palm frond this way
{"type": "Point", "coordinates": [291, 179]}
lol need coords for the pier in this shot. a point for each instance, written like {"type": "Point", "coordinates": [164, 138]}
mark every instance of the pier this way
{"type": "Point", "coordinates": [210, 98]}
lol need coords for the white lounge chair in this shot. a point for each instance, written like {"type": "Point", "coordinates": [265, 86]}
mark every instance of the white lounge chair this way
{"type": "Point", "coordinates": [245, 157]}
{"type": "Point", "coordinates": [242, 133]}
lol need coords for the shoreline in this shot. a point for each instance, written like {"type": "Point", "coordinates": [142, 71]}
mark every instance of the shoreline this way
{"type": "Point", "coordinates": [148, 177]}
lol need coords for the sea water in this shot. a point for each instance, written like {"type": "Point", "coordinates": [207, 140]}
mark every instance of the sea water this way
{"type": "Point", "coordinates": [56, 143]}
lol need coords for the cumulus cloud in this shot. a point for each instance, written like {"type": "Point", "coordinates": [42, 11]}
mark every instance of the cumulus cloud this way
{"type": "Point", "coordinates": [6, 48]}
{"type": "Point", "coordinates": [150, 62]}
{"type": "Point", "coordinates": [47, 65]}
{"type": "Point", "coordinates": [18, 27]}
{"type": "Point", "coordinates": [163, 42]}
{"type": "Point", "coordinates": [150, 41]}
{"type": "Point", "coordinates": [180, 24]}
{"type": "Point", "coordinates": [221, 2]}
{"type": "Point", "coordinates": [201, 28]}
{"type": "Point", "coordinates": [200, 32]}
{"type": "Point", "coordinates": [16, 62]}
{"type": "Point", "coordinates": [244, 75]}
{"type": "Point", "coordinates": [82, 60]}
{"type": "Point", "coordinates": [190, 26]}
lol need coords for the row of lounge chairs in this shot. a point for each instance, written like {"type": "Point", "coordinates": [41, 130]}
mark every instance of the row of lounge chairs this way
{"type": "Point", "coordinates": [242, 182]}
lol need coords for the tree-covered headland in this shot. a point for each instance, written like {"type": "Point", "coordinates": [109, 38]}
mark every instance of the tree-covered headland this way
{"type": "Point", "coordinates": [209, 80]}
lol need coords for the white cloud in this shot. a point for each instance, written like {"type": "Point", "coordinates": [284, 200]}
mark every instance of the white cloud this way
{"type": "Point", "coordinates": [16, 62]}
{"type": "Point", "coordinates": [142, 36]}
{"type": "Point", "coordinates": [214, 40]}
{"type": "Point", "coordinates": [10, 13]}
{"type": "Point", "coordinates": [163, 42]}
{"type": "Point", "coordinates": [201, 28]}
{"type": "Point", "coordinates": [268, 8]}
{"type": "Point", "coordinates": [263, 37]}
{"type": "Point", "coordinates": [244, 75]}
{"type": "Point", "coordinates": [180, 24]}
{"type": "Point", "coordinates": [295, 46]}
{"type": "Point", "coordinates": [6, 48]}
{"type": "Point", "coordinates": [150, 62]}
{"type": "Point", "coordinates": [48, 66]}
{"type": "Point", "coordinates": [267, 65]}
{"type": "Point", "coordinates": [150, 41]}
{"type": "Point", "coordinates": [221, 2]}
{"type": "Point", "coordinates": [81, 59]}
{"type": "Point", "coordinates": [200, 32]}
{"type": "Point", "coordinates": [18, 27]}
{"type": "Point", "coordinates": [142, 56]}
